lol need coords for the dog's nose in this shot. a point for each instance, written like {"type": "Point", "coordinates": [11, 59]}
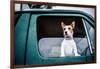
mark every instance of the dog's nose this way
{"type": "Point", "coordinates": [66, 32]}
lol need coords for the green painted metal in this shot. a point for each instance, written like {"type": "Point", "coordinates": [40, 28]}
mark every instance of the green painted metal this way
{"type": "Point", "coordinates": [20, 38]}
{"type": "Point", "coordinates": [32, 55]}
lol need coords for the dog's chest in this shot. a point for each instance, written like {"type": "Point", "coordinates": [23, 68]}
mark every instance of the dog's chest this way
{"type": "Point", "coordinates": [68, 46]}
{"type": "Point", "coordinates": [68, 42]}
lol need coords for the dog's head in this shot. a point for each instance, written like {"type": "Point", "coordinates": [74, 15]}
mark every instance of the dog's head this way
{"type": "Point", "coordinates": [68, 29]}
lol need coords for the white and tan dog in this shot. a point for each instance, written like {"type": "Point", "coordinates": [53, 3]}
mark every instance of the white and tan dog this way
{"type": "Point", "coordinates": [68, 45]}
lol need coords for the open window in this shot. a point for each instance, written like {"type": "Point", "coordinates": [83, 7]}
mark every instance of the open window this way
{"type": "Point", "coordinates": [50, 35]}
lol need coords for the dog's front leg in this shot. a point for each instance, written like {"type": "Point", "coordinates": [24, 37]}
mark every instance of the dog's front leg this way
{"type": "Point", "coordinates": [62, 51]}
{"type": "Point", "coordinates": [76, 52]}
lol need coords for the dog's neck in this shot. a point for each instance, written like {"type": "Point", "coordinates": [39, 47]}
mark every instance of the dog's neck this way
{"type": "Point", "coordinates": [71, 38]}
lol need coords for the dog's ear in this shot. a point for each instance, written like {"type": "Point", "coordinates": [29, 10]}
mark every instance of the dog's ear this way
{"type": "Point", "coordinates": [62, 24]}
{"type": "Point", "coordinates": [73, 24]}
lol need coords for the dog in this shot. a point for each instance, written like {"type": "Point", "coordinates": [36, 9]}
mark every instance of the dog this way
{"type": "Point", "coordinates": [68, 45]}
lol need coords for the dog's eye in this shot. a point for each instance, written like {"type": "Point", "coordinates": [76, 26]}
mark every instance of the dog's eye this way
{"type": "Point", "coordinates": [69, 28]}
{"type": "Point", "coordinates": [64, 28]}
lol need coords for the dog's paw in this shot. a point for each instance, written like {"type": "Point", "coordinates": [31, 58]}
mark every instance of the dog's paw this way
{"type": "Point", "coordinates": [77, 55]}
{"type": "Point", "coordinates": [62, 55]}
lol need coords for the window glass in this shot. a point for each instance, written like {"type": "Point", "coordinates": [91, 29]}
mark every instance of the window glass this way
{"type": "Point", "coordinates": [91, 33]}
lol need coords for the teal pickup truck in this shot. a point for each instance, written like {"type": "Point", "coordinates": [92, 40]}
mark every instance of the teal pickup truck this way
{"type": "Point", "coordinates": [38, 36]}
